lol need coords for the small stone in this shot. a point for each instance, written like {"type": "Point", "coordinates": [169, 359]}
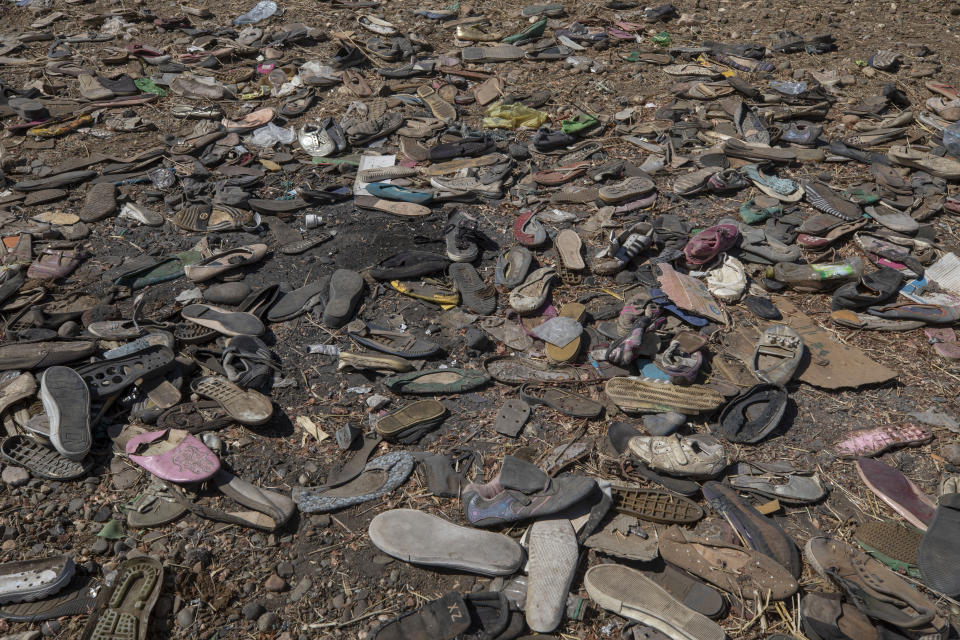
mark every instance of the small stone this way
{"type": "Point", "coordinates": [338, 601]}
{"type": "Point", "coordinates": [267, 621]}
{"type": "Point", "coordinates": [103, 513]}
{"type": "Point", "coordinates": [285, 569]}
{"type": "Point", "coordinates": [301, 589]}
{"type": "Point", "coordinates": [9, 545]}
{"type": "Point", "coordinates": [849, 119]}
{"type": "Point", "coordinates": [847, 80]}
{"type": "Point", "coordinates": [51, 627]}
{"type": "Point", "coordinates": [275, 583]}
{"type": "Point", "coordinates": [253, 610]}
{"type": "Point", "coordinates": [15, 476]}
{"type": "Point", "coordinates": [952, 453]}
{"type": "Point", "coordinates": [477, 340]}
{"type": "Point", "coordinates": [100, 546]}
{"type": "Point", "coordinates": [377, 401]}
{"type": "Point", "coordinates": [186, 617]}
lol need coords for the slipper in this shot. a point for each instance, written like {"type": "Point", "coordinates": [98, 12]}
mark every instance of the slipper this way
{"type": "Point", "coordinates": [759, 532]}
{"type": "Point", "coordinates": [867, 443]}
{"type": "Point", "coordinates": [632, 594]}
{"type": "Point", "coordinates": [41, 461]}
{"type": "Point", "coordinates": [928, 313]}
{"type": "Point", "coordinates": [856, 320]}
{"type": "Point", "coordinates": [563, 401]}
{"type": "Point", "coordinates": [512, 416]}
{"type": "Point", "coordinates": [706, 245]}
{"type": "Point", "coordinates": [174, 455]}
{"type": "Point", "coordinates": [436, 381]}
{"type": "Point", "coordinates": [895, 221]}
{"type": "Point", "coordinates": [346, 291]}
{"type": "Point", "coordinates": [154, 507]}
{"type": "Point", "coordinates": [519, 370]}
{"type": "Point", "coordinates": [224, 262]}
{"type": "Point", "coordinates": [553, 558]}
{"type": "Point", "coordinates": [410, 423]}
{"type": "Point", "coordinates": [127, 602]}
{"type": "Point", "coordinates": [647, 396]}
{"type": "Point", "coordinates": [478, 297]}
{"type": "Point", "coordinates": [892, 544]}
{"type": "Point", "coordinates": [528, 230]}
{"type": "Point", "coordinates": [270, 510]}
{"type": "Point", "coordinates": [435, 292]}
{"type": "Point", "coordinates": [248, 407]}
{"type": "Point", "coordinates": [533, 293]}
{"type": "Point", "coordinates": [295, 303]}
{"type": "Point", "coordinates": [569, 245]}
{"type": "Point", "coordinates": [424, 539]}
{"type": "Point", "coordinates": [29, 580]}
{"type": "Point", "coordinates": [777, 355]}
{"type": "Point", "coordinates": [353, 467]}
{"type": "Point", "coordinates": [897, 491]}
{"type": "Point", "coordinates": [109, 377]}
{"type": "Point", "coordinates": [440, 108]}
{"type": "Point", "coordinates": [655, 505]}
{"type": "Point", "coordinates": [752, 415]}
{"type": "Point", "coordinates": [787, 485]}
{"type": "Point", "coordinates": [229, 323]}
{"type": "Point", "coordinates": [380, 476]}
{"type": "Point", "coordinates": [561, 175]}
{"type": "Point", "coordinates": [513, 265]}
{"type": "Point", "coordinates": [878, 592]}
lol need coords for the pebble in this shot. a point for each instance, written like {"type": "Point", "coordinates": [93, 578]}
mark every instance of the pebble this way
{"type": "Point", "coordinates": [100, 546]}
{"type": "Point", "coordinates": [285, 569]}
{"type": "Point", "coordinates": [275, 583]}
{"type": "Point", "coordinates": [51, 627]}
{"type": "Point", "coordinates": [9, 545]}
{"type": "Point", "coordinates": [253, 610]}
{"type": "Point", "coordinates": [952, 453]}
{"type": "Point", "coordinates": [186, 617]}
{"type": "Point", "coordinates": [103, 513]}
{"type": "Point", "coordinates": [338, 601]}
{"type": "Point", "coordinates": [301, 589]}
{"type": "Point", "coordinates": [15, 476]}
{"type": "Point", "coordinates": [267, 621]}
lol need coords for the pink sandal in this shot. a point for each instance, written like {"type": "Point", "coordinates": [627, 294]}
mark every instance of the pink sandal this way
{"type": "Point", "coordinates": [872, 442]}
{"type": "Point", "coordinates": [174, 455]}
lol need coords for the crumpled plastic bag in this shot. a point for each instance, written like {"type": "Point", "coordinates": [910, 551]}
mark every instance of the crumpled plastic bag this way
{"type": "Point", "coordinates": [260, 12]}
{"type": "Point", "coordinates": [513, 116]}
{"type": "Point", "coordinates": [269, 135]}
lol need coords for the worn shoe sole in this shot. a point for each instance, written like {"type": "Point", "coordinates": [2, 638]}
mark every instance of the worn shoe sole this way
{"type": "Point", "coordinates": [112, 376]}
{"type": "Point", "coordinates": [642, 396]}
{"type": "Point", "coordinates": [66, 400]}
{"type": "Point", "coordinates": [74, 602]}
{"type": "Point", "coordinates": [477, 296]}
{"type": "Point", "coordinates": [346, 289]}
{"type": "Point", "coordinates": [246, 407]}
{"type": "Point", "coordinates": [31, 580]}
{"type": "Point", "coordinates": [629, 593]}
{"type": "Point", "coordinates": [553, 562]}
{"type": "Point", "coordinates": [42, 462]}
{"type": "Point", "coordinates": [420, 538]}
{"type": "Point", "coordinates": [655, 505]}
{"type": "Point", "coordinates": [123, 610]}
{"type": "Point", "coordinates": [892, 544]}
{"type": "Point", "coordinates": [229, 323]}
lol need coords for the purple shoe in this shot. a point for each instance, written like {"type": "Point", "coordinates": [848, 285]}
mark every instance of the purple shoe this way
{"type": "Point", "coordinates": [519, 492]}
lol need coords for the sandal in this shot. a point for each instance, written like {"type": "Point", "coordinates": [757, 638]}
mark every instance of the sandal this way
{"type": "Point", "coordinates": [109, 377]}
{"type": "Point", "coordinates": [246, 407]}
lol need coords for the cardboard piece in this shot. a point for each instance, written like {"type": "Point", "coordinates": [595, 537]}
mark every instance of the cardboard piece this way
{"type": "Point", "coordinates": [831, 365]}
{"type": "Point", "coordinates": [691, 294]}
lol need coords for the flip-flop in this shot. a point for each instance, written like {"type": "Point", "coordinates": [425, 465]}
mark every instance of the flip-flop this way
{"type": "Point", "coordinates": [174, 455]}
{"type": "Point", "coordinates": [127, 602]}
{"type": "Point", "coordinates": [897, 491]}
{"type": "Point", "coordinates": [229, 323]}
{"type": "Point", "coordinates": [380, 476]}
{"type": "Point", "coordinates": [247, 407]}
{"type": "Point", "coordinates": [442, 381]}
{"type": "Point", "coordinates": [655, 505]}
{"type": "Point", "coordinates": [154, 507]}
{"type": "Point", "coordinates": [42, 462]}
{"type": "Point", "coordinates": [563, 401]}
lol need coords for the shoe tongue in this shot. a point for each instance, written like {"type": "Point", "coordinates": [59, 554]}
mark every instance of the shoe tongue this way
{"type": "Point", "coordinates": [522, 476]}
{"type": "Point", "coordinates": [452, 614]}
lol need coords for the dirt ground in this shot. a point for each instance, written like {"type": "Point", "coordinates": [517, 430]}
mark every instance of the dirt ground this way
{"type": "Point", "coordinates": [345, 586]}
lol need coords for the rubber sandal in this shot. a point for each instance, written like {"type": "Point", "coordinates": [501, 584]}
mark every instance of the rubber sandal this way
{"type": "Point", "coordinates": [477, 296]}
{"type": "Point", "coordinates": [271, 510]}
{"type": "Point", "coordinates": [123, 609]}
{"type": "Point", "coordinates": [753, 414]}
{"type": "Point", "coordinates": [109, 377]}
{"type": "Point", "coordinates": [872, 442]}
{"type": "Point", "coordinates": [246, 407]}
{"type": "Point", "coordinates": [563, 401]}
{"type": "Point", "coordinates": [174, 455]}
{"type": "Point", "coordinates": [443, 381]}
{"type": "Point", "coordinates": [42, 462]}
{"type": "Point", "coordinates": [379, 477]}
{"type": "Point", "coordinates": [229, 323]}
{"type": "Point", "coordinates": [154, 507]}
{"type": "Point", "coordinates": [654, 505]}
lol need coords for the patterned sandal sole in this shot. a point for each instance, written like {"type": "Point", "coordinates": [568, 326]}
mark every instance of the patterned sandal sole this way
{"type": "Point", "coordinates": [234, 400]}
{"type": "Point", "coordinates": [124, 611]}
{"type": "Point", "coordinates": [42, 462]}
{"type": "Point", "coordinates": [655, 505]}
{"type": "Point", "coordinates": [652, 397]}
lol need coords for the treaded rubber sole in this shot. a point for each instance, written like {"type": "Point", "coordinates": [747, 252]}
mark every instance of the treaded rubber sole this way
{"type": "Point", "coordinates": [41, 462]}
{"type": "Point", "coordinates": [645, 396]}
{"type": "Point", "coordinates": [66, 401]}
{"type": "Point", "coordinates": [553, 563]}
{"type": "Point", "coordinates": [655, 505]}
